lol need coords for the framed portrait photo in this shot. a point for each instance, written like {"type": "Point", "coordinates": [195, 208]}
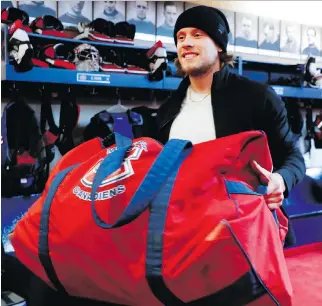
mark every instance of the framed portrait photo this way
{"type": "Point", "coordinates": [269, 36]}
{"type": "Point", "coordinates": [143, 15]}
{"type": "Point", "coordinates": [38, 8]}
{"type": "Point", "coordinates": [113, 11]}
{"type": "Point", "coordinates": [246, 33]}
{"type": "Point", "coordinates": [290, 42]}
{"type": "Point", "coordinates": [70, 13]}
{"type": "Point", "coordinates": [167, 15]}
{"type": "Point", "coordinates": [311, 41]}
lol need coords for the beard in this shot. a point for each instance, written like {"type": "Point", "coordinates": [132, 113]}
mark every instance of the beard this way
{"type": "Point", "coordinates": [197, 71]}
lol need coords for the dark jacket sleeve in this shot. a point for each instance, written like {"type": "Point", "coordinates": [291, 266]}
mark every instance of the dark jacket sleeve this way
{"type": "Point", "coordinates": [287, 159]}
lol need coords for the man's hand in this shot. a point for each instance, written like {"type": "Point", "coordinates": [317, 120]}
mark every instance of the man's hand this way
{"type": "Point", "coordinates": [275, 186]}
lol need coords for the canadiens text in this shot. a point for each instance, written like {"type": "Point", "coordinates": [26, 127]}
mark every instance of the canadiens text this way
{"type": "Point", "coordinates": [100, 196]}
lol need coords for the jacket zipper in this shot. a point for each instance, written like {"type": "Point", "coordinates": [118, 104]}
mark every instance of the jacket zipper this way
{"type": "Point", "coordinates": [168, 121]}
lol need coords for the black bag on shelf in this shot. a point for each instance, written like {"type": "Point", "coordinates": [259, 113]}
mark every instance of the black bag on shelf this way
{"type": "Point", "coordinates": [10, 14]}
{"type": "Point", "coordinates": [124, 33]}
{"type": "Point", "coordinates": [99, 30]}
{"type": "Point", "coordinates": [48, 25]}
{"type": "Point", "coordinates": [58, 56]}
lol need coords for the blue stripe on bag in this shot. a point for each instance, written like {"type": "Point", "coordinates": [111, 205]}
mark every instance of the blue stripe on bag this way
{"type": "Point", "coordinates": [150, 185]}
{"type": "Point", "coordinates": [43, 246]}
{"type": "Point", "coordinates": [240, 188]}
{"type": "Point", "coordinates": [157, 219]}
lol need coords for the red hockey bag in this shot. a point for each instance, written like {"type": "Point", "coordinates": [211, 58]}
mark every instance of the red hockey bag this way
{"type": "Point", "coordinates": [142, 224]}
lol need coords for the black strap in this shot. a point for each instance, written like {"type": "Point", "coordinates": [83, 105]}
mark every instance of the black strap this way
{"type": "Point", "coordinates": [68, 119]}
{"type": "Point", "coordinates": [67, 122]}
{"type": "Point", "coordinates": [46, 114]}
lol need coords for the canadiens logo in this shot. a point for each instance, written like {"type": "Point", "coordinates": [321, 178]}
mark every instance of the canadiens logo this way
{"type": "Point", "coordinates": [126, 170]}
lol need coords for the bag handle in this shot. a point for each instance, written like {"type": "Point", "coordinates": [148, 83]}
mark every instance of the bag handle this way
{"type": "Point", "coordinates": [151, 184]}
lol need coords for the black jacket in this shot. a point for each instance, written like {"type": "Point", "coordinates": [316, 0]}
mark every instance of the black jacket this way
{"type": "Point", "coordinates": [241, 105]}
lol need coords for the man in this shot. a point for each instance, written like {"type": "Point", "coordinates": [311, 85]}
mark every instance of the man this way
{"type": "Point", "coordinates": [170, 17]}
{"type": "Point", "coordinates": [211, 102]}
{"type": "Point", "coordinates": [37, 8]}
{"type": "Point", "coordinates": [311, 49]}
{"type": "Point", "coordinates": [291, 45]}
{"type": "Point", "coordinates": [111, 13]}
{"type": "Point", "coordinates": [269, 42]}
{"type": "Point", "coordinates": [245, 40]}
{"type": "Point", "coordinates": [74, 14]}
{"type": "Point", "coordinates": [141, 22]}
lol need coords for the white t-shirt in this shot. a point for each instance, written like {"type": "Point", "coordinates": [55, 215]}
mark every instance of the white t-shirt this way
{"type": "Point", "coordinates": [195, 120]}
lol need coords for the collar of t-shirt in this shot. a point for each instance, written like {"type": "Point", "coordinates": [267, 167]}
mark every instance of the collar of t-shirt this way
{"type": "Point", "coordinates": [195, 121]}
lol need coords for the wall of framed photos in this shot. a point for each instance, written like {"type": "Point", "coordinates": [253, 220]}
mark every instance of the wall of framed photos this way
{"type": "Point", "coordinates": [285, 29]}
{"type": "Point", "coordinates": [271, 29]}
{"type": "Point", "coordinates": [307, 12]}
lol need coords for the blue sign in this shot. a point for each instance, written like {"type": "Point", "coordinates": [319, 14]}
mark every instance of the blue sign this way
{"type": "Point", "coordinates": [93, 78]}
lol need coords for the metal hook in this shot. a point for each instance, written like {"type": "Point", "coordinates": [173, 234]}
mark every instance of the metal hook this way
{"type": "Point", "coordinates": [118, 96]}
{"type": "Point", "coordinates": [41, 89]}
{"type": "Point", "coordinates": [93, 92]}
{"type": "Point", "coordinates": [153, 99]}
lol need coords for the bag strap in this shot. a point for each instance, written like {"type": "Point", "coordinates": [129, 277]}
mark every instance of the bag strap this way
{"type": "Point", "coordinates": [163, 166]}
{"type": "Point", "coordinates": [46, 113]}
{"type": "Point", "coordinates": [154, 253]}
{"type": "Point", "coordinates": [43, 244]}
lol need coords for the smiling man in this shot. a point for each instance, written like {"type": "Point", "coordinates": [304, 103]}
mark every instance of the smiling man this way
{"type": "Point", "coordinates": [211, 102]}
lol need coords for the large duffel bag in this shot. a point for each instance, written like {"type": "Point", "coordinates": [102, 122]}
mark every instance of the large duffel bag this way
{"type": "Point", "coordinates": [142, 224]}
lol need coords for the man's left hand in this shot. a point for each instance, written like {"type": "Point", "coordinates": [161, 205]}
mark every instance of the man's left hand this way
{"type": "Point", "coordinates": [275, 186]}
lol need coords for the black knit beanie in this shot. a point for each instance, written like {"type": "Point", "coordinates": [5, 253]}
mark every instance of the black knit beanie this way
{"type": "Point", "coordinates": [208, 19]}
